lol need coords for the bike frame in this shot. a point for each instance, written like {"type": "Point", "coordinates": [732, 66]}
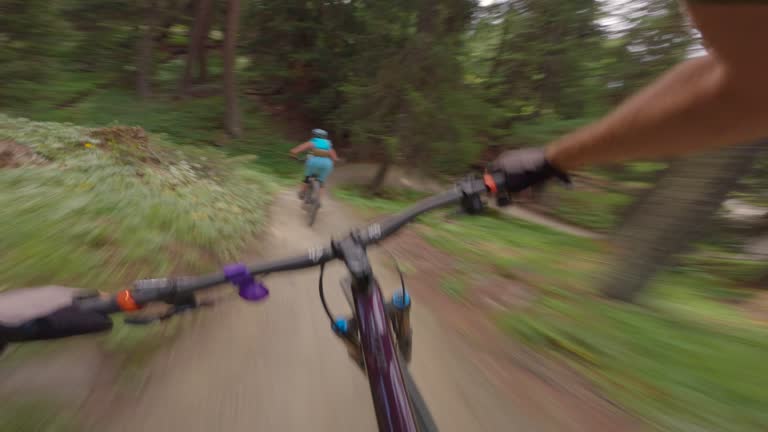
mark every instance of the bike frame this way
{"type": "Point", "coordinates": [385, 377]}
{"type": "Point", "coordinates": [390, 399]}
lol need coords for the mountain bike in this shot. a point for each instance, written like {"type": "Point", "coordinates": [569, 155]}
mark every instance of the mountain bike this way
{"type": "Point", "coordinates": [377, 335]}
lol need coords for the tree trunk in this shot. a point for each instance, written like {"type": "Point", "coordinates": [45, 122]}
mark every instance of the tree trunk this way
{"type": "Point", "coordinates": [196, 46]}
{"type": "Point", "coordinates": [232, 114]}
{"type": "Point", "coordinates": [202, 58]}
{"type": "Point", "coordinates": [671, 218]}
{"type": "Point", "coordinates": [501, 49]}
{"type": "Point", "coordinates": [427, 17]}
{"type": "Point", "coordinates": [145, 51]}
{"type": "Point", "coordinates": [374, 188]}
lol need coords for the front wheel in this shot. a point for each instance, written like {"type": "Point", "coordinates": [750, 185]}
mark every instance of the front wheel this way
{"type": "Point", "coordinates": [423, 417]}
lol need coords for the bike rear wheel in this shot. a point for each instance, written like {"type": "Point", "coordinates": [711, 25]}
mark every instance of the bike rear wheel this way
{"type": "Point", "coordinates": [314, 201]}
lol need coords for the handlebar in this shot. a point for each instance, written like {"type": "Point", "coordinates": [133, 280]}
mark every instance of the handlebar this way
{"type": "Point", "coordinates": [170, 289]}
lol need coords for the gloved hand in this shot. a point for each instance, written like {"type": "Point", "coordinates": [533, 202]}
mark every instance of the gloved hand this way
{"type": "Point", "coordinates": [525, 168]}
{"type": "Point", "coordinates": [45, 313]}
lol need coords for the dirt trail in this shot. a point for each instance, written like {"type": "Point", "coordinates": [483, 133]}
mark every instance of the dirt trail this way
{"type": "Point", "coordinates": [276, 366]}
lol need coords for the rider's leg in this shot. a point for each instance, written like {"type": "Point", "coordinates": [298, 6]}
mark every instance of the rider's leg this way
{"type": "Point", "coordinates": [309, 170]}
{"type": "Point", "coordinates": [324, 168]}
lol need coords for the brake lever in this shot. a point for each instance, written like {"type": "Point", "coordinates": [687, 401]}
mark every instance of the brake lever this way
{"type": "Point", "coordinates": [177, 307]}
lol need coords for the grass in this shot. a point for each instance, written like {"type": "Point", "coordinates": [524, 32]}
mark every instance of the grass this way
{"type": "Point", "coordinates": [677, 373]}
{"type": "Point", "coordinates": [454, 286]}
{"type": "Point", "coordinates": [95, 218]}
{"type": "Point", "coordinates": [514, 248]}
{"type": "Point", "coordinates": [733, 267]}
{"type": "Point", "coordinates": [519, 248]}
{"type": "Point", "coordinates": [387, 202]}
{"type": "Point", "coordinates": [594, 209]}
{"type": "Point", "coordinates": [63, 86]}
{"type": "Point", "coordinates": [35, 416]}
{"type": "Point", "coordinates": [642, 172]}
{"type": "Point", "coordinates": [685, 361]}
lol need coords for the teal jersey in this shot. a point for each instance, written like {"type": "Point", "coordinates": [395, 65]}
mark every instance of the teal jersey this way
{"type": "Point", "coordinates": [321, 144]}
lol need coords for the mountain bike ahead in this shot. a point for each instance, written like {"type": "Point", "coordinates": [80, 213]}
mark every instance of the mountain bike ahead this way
{"type": "Point", "coordinates": [311, 199]}
{"type": "Point", "coordinates": [377, 334]}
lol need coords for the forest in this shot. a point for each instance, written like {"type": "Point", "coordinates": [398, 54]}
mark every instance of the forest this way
{"type": "Point", "coordinates": [129, 127]}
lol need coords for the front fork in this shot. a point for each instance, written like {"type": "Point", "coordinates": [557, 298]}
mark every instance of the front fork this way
{"type": "Point", "coordinates": [399, 311]}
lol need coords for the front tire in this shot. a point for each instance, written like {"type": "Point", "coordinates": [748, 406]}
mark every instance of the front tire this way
{"type": "Point", "coordinates": [314, 201]}
{"type": "Point", "coordinates": [423, 417]}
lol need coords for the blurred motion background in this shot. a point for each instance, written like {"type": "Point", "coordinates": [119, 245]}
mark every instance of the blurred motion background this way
{"type": "Point", "coordinates": [143, 138]}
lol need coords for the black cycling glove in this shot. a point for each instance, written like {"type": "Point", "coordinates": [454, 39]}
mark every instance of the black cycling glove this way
{"type": "Point", "coordinates": [525, 168]}
{"type": "Point", "coordinates": [45, 313]}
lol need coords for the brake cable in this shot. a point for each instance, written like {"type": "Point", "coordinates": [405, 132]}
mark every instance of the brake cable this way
{"type": "Point", "coordinates": [321, 287]}
{"type": "Point", "coordinates": [399, 270]}
{"type": "Point", "coordinates": [322, 294]}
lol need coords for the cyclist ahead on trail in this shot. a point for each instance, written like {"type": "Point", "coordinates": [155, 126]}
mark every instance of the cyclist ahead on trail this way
{"type": "Point", "coordinates": [320, 161]}
{"type": "Point", "coordinates": [703, 103]}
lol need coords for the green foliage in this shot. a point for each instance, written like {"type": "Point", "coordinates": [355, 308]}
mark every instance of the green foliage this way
{"type": "Point", "coordinates": [91, 216]}
{"type": "Point", "coordinates": [410, 81]}
{"type": "Point", "coordinates": [544, 55]}
{"type": "Point", "coordinates": [385, 75]}
{"type": "Point", "coordinates": [32, 36]}
{"type": "Point", "coordinates": [542, 130]}
{"type": "Point", "coordinates": [657, 37]}
{"type": "Point", "coordinates": [548, 66]}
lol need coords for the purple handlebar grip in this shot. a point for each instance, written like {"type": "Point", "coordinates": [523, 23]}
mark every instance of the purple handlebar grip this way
{"type": "Point", "coordinates": [248, 287]}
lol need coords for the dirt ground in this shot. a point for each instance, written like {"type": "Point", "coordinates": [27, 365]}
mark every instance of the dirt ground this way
{"type": "Point", "coordinates": [276, 366]}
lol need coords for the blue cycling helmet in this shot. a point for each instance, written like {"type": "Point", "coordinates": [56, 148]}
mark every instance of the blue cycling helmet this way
{"type": "Point", "coordinates": [319, 133]}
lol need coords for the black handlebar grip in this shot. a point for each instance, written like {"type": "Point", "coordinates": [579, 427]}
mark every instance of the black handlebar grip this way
{"type": "Point", "coordinates": [152, 284]}
{"type": "Point", "coordinates": [105, 305]}
{"type": "Point", "coordinates": [500, 179]}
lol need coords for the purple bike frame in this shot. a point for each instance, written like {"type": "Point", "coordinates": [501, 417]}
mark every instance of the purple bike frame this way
{"type": "Point", "coordinates": [390, 398]}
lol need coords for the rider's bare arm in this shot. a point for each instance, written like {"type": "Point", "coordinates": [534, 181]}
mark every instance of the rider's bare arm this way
{"type": "Point", "coordinates": [334, 156]}
{"type": "Point", "coordinates": [301, 148]}
{"type": "Point", "coordinates": [703, 103]}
